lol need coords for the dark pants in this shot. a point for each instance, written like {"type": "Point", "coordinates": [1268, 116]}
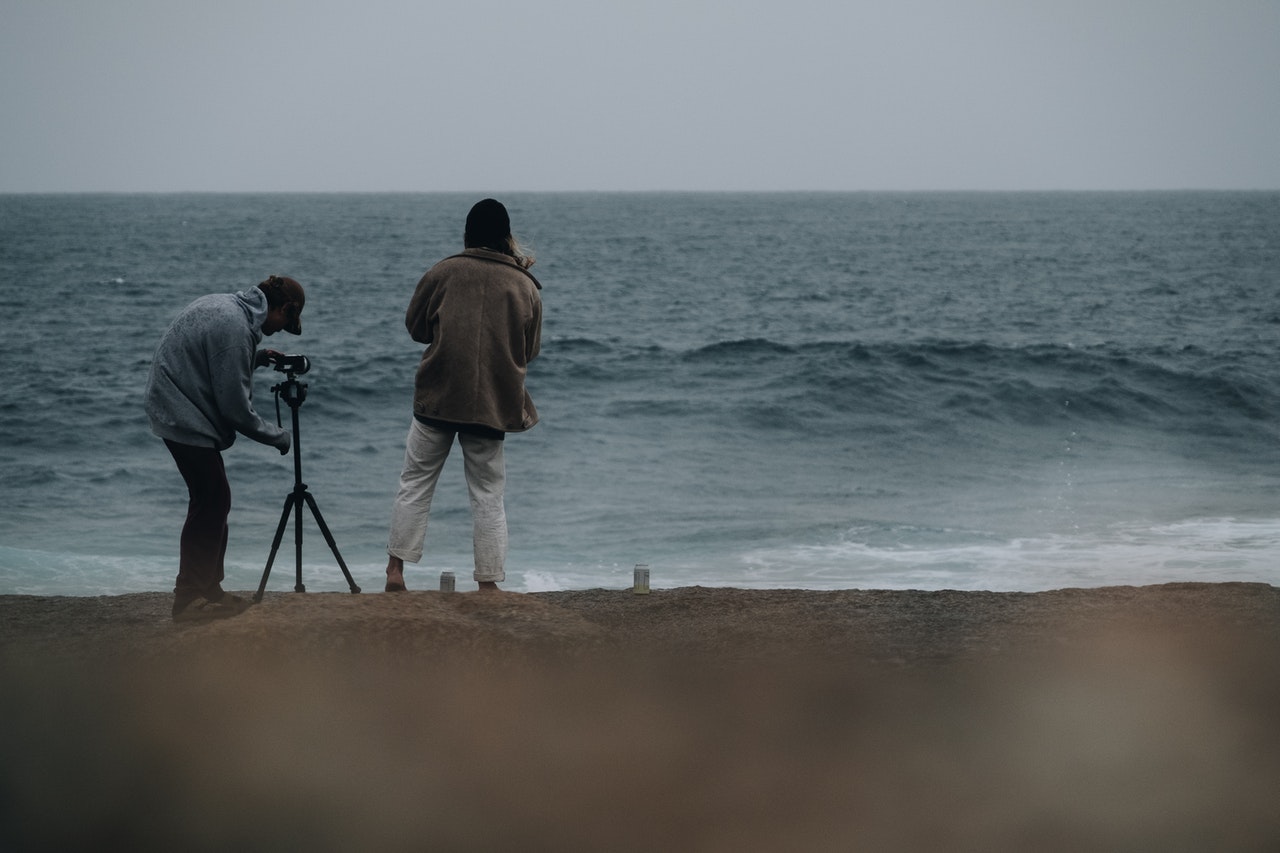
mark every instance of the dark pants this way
{"type": "Point", "coordinates": [204, 535]}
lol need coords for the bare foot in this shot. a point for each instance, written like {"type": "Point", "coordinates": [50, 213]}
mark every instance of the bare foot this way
{"type": "Point", "coordinates": [395, 575]}
{"type": "Point", "coordinates": [488, 586]}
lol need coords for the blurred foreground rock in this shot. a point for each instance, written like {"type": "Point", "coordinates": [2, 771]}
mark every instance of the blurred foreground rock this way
{"type": "Point", "coordinates": [690, 719]}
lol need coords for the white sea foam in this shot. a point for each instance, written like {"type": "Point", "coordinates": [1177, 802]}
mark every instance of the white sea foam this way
{"type": "Point", "coordinates": [32, 572]}
{"type": "Point", "coordinates": [1206, 550]}
{"type": "Point", "coordinates": [1195, 550]}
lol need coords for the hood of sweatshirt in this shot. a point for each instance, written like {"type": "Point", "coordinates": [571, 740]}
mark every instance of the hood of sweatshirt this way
{"type": "Point", "coordinates": [254, 304]}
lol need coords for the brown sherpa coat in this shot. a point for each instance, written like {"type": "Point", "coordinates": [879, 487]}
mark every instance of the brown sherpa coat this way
{"type": "Point", "coordinates": [480, 315]}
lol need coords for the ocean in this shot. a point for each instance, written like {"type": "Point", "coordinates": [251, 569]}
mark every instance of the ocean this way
{"type": "Point", "coordinates": [1008, 391]}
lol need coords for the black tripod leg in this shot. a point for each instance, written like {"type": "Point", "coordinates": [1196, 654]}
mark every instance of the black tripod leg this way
{"type": "Point", "coordinates": [297, 535]}
{"type": "Point", "coordinates": [275, 544]}
{"type": "Point", "coordinates": [328, 537]}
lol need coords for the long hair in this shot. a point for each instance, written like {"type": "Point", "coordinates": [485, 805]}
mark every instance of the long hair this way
{"type": "Point", "coordinates": [507, 245]}
{"type": "Point", "coordinates": [523, 255]}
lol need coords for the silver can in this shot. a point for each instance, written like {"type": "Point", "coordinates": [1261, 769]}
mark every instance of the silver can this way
{"type": "Point", "coordinates": [446, 582]}
{"type": "Point", "coordinates": [642, 579]}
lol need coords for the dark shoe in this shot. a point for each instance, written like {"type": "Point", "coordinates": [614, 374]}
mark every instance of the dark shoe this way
{"type": "Point", "coordinates": [392, 586]}
{"type": "Point", "coordinates": [204, 610]}
{"type": "Point", "coordinates": [227, 598]}
{"type": "Point", "coordinates": [182, 599]}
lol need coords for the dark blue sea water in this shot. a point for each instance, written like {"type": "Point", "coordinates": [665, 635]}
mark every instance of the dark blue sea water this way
{"type": "Point", "coordinates": [968, 391]}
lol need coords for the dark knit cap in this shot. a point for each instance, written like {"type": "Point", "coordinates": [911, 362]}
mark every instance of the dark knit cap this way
{"type": "Point", "coordinates": [487, 223]}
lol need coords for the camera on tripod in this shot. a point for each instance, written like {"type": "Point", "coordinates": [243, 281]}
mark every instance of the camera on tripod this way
{"type": "Point", "coordinates": [293, 391]}
{"type": "Point", "coordinates": [293, 365]}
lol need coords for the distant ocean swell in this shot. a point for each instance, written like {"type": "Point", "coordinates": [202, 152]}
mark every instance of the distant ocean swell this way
{"type": "Point", "coordinates": [1181, 392]}
{"type": "Point", "coordinates": [1003, 391]}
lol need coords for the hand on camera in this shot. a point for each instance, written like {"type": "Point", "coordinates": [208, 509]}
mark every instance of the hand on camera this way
{"type": "Point", "coordinates": [264, 357]}
{"type": "Point", "coordinates": [284, 446]}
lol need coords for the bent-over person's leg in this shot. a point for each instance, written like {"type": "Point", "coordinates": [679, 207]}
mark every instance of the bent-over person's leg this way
{"type": "Point", "coordinates": [204, 533]}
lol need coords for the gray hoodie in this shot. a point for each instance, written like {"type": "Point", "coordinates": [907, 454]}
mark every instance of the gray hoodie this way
{"type": "Point", "coordinates": [200, 388]}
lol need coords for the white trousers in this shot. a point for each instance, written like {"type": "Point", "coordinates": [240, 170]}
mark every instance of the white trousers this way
{"type": "Point", "coordinates": [425, 452]}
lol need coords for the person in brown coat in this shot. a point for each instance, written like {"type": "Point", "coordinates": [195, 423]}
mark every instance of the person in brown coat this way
{"type": "Point", "coordinates": [480, 315]}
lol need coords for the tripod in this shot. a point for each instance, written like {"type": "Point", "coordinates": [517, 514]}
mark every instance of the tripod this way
{"type": "Point", "coordinates": [294, 393]}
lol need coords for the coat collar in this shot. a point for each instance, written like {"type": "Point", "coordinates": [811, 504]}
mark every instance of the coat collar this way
{"type": "Point", "coordinates": [497, 257]}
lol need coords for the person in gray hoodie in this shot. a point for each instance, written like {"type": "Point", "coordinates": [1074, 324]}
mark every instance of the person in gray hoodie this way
{"type": "Point", "coordinates": [199, 396]}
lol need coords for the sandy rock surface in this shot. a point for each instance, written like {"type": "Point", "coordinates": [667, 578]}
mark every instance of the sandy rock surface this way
{"type": "Point", "coordinates": [697, 719]}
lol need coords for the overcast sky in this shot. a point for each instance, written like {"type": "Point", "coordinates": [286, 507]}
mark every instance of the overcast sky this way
{"type": "Point", "coordinates": [424, 95]}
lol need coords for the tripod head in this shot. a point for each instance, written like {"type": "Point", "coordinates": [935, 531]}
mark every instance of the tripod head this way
{"type": "Point", "coordinates": [291, 391]}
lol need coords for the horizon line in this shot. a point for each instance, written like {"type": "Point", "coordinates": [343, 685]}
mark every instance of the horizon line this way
{"type": "Point", "coordinates": [883, 191]}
